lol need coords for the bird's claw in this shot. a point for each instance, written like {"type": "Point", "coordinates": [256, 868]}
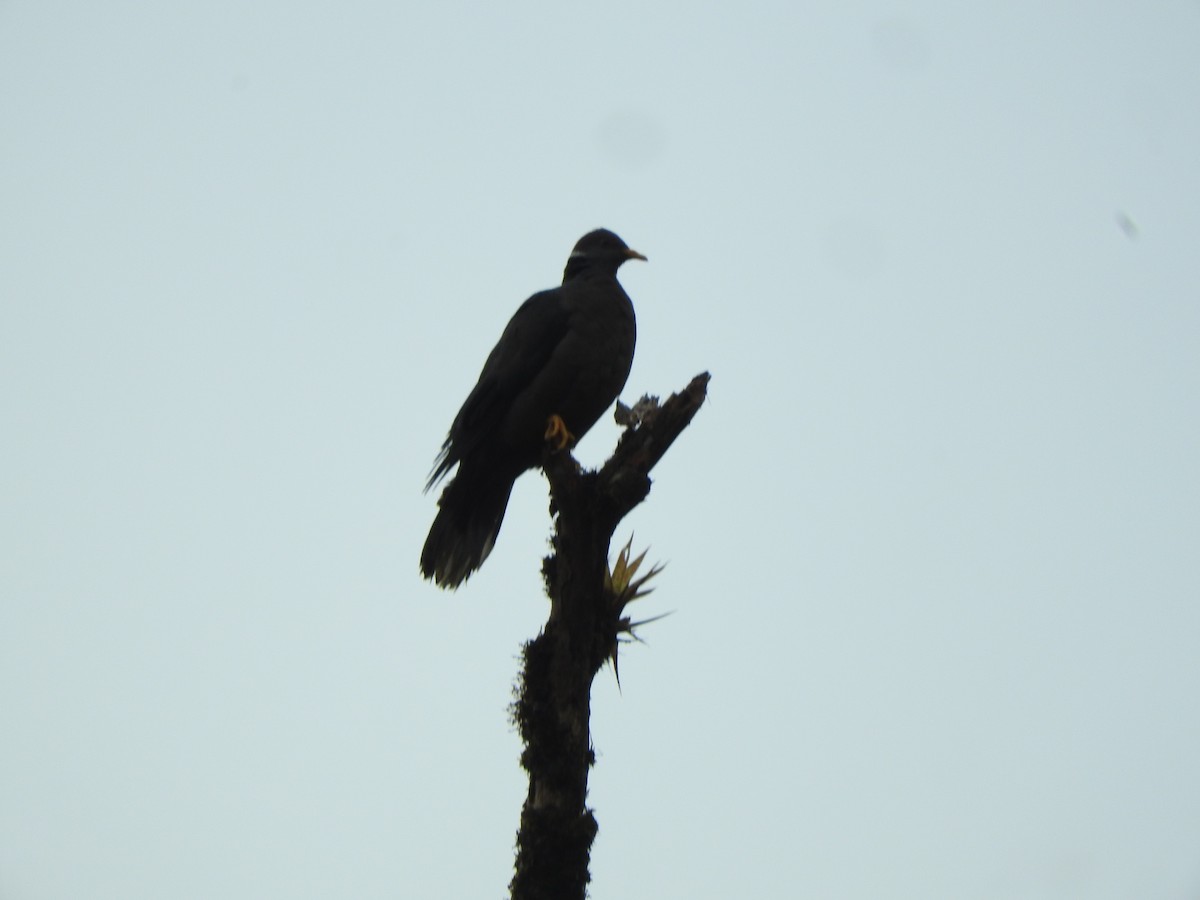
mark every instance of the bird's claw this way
{"type": "Point", "coordinates": [557, 434]}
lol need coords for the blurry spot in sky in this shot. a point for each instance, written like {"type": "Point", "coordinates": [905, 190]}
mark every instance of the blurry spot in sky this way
{"type": "Point", "coordinates": [1127, 225]}
{"type": "Point", "coordinates": [899, 45]}
{"type": "Point", "coordinates": [630, 140]}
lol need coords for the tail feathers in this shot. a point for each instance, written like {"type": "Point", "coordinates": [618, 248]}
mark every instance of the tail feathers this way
{"type": "Point", "coordinates": [470, 513]}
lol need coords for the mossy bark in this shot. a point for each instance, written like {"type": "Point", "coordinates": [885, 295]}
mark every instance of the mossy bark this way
{"type": "Point", "coordinates": [553, 705]}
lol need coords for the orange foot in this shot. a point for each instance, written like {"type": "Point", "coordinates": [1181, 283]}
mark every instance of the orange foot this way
{"type": "Point", "coordinates": [557, 433]}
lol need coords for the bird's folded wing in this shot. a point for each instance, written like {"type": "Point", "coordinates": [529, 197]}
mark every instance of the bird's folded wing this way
{"type": "Point", "coordinates": [522, 353]}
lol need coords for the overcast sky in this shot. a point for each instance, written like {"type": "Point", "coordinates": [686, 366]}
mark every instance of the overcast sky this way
{"type": "Point", "coordinates": [933, 545]}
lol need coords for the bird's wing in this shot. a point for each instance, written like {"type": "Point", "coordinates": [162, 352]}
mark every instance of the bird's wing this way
{"type": "Point", "coordinates": [522, 353]}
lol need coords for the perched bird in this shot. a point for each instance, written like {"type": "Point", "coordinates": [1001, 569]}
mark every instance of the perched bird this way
{"type": "Point", "coordinates": [562, 360]}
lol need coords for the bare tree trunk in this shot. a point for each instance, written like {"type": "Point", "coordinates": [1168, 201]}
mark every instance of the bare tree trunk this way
{"type": "Point", "coordinates": [553, 707]}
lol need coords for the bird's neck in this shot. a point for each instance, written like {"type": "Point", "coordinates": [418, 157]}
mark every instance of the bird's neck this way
{"type": "Point", "coordinates": [581, 269]}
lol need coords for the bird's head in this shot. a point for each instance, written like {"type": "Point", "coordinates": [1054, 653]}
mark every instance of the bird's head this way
{"type": "Point", "coordinates": [599, 250]}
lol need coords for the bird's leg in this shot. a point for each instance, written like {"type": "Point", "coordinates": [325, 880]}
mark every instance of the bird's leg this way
{"type": "Point", "coordinates": [557, 433]}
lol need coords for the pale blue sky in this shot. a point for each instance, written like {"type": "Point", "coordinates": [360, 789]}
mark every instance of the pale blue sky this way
{"type": "Point", "coordinates": [934, 544]}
